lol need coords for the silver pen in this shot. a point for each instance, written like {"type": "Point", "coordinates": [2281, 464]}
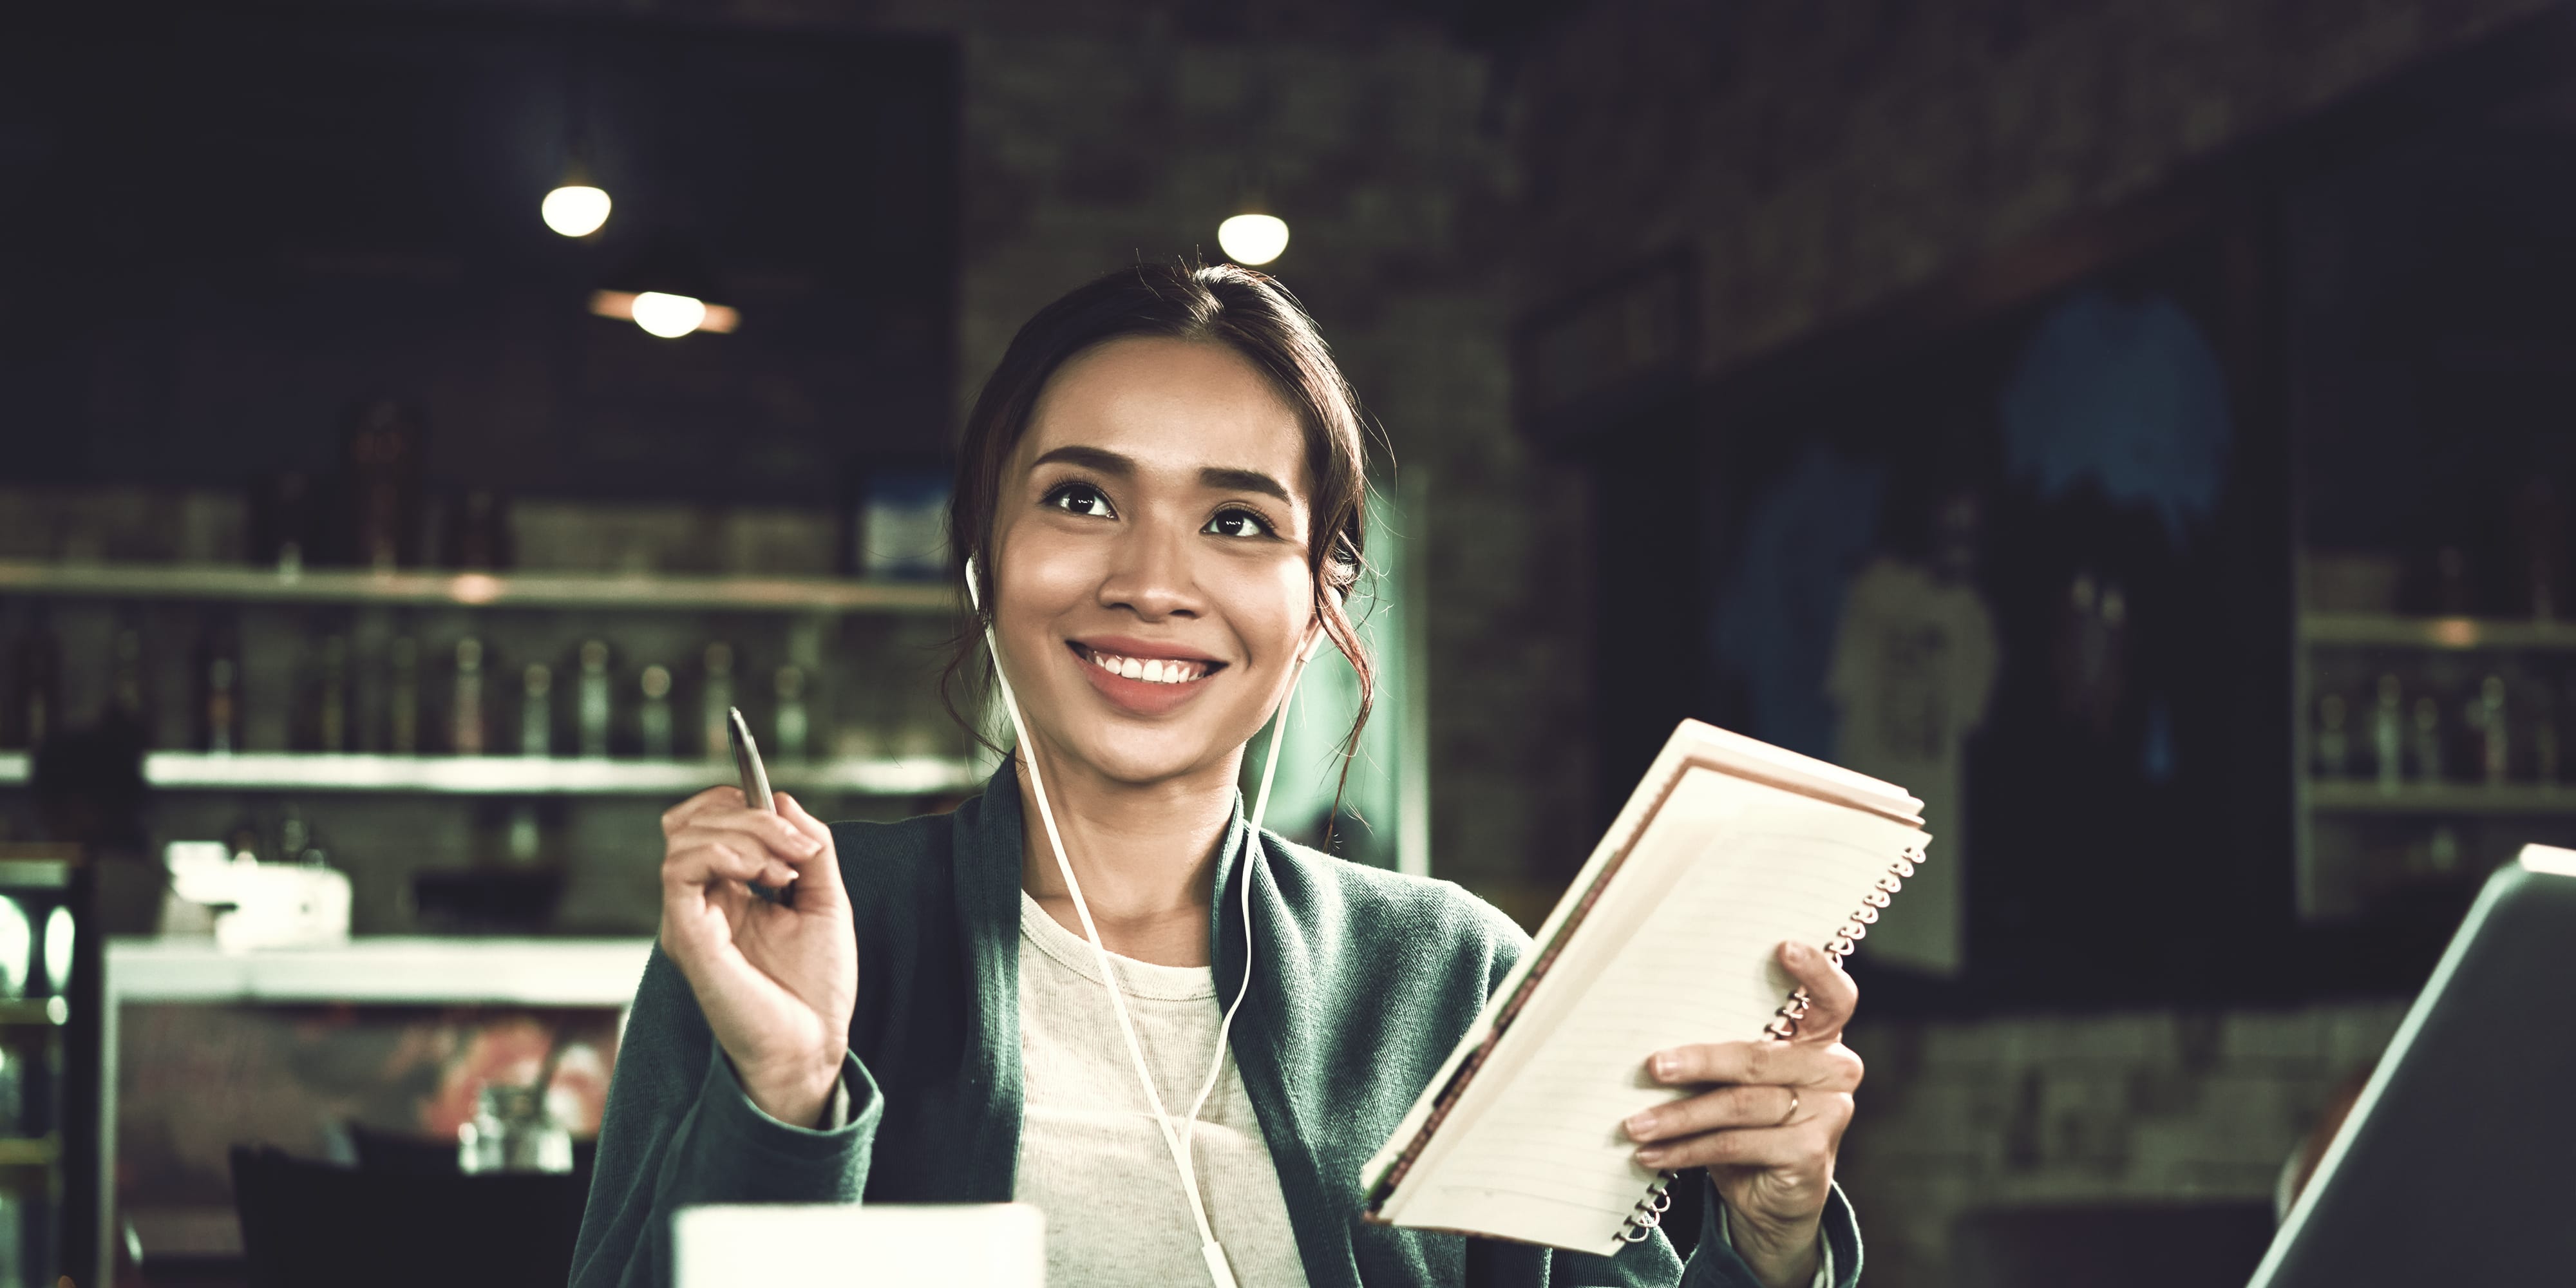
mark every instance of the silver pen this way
{"type": "Point", "coordinates": [755, 791]}
{"type": "Point", "coordinates": [746, 762]}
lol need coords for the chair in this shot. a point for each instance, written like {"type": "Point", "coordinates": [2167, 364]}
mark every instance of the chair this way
{"type": "Point", "coordinates": [307, 1224]}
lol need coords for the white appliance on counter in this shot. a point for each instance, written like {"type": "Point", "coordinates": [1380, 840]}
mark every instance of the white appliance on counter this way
{"type": "Point", "coordinates": [249, 904]}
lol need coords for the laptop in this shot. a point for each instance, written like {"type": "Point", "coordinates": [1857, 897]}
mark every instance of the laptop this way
{"type": "Point", "coordinates": [2458, 1162]}
{"type": "Point", "coordinates": [880, 1245]}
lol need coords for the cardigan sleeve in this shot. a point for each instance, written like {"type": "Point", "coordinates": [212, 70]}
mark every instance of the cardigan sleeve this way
{"type": "Point", "coordinates": [1715, 1264]}
{"type": "Point", "coordinates": [679, 1130]}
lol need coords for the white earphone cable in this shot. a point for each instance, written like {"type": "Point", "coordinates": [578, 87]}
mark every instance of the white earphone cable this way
{"type": "Point", "coordinates": [1178, 1141]}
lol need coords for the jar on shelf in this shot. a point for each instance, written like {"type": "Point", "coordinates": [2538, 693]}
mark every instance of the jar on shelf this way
{"type": "Point", "coordinates": [513, 1131]}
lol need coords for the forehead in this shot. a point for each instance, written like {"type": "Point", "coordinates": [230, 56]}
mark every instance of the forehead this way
{"type": "Point", "coordinates": [1176, 406]}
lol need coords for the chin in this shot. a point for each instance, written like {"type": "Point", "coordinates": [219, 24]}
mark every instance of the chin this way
{"type": "Point", "coordinates": [1142, 757]}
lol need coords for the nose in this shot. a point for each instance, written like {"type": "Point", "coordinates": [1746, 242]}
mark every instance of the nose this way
{"type": "Point", "coordinates": [1149, 575]}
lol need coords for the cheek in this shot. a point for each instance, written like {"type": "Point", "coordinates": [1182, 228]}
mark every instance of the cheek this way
{"type": "Point", "coordinates": [1273, 608]}
{"type": "Point", "coordinates": [1039, 579]}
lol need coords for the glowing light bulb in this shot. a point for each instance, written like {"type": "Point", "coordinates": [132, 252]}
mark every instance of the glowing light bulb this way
{"type": "Point", "coordinates": [575, 209]}
{"type": "Point", "coordinates": [668, 316]}
{"type": "Point", "coordinates": [1253, 239]}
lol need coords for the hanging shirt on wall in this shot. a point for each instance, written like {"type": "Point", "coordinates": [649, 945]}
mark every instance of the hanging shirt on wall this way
{"type": "Point", "coordinates": [1913, 667]}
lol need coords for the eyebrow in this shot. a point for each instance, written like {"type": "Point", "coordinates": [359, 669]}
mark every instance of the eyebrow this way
{"type": "Point", "coordinates": [1219, 477]}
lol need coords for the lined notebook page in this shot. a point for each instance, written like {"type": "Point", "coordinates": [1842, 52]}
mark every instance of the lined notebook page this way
{"type": "Point", "coordinates": [1679, 950]}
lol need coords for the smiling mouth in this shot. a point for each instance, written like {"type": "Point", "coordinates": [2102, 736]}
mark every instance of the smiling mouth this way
{"type": "Point", "coordinates": [1152, 670]}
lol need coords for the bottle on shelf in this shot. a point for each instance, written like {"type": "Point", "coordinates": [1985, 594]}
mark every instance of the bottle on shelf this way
{"type": "Point", "coordinates": [2333, 745]}
{"type": "Point", "coordinates": [219, 690]}
{"type": "Point", "coordinates": [653, 717]}
{"type": "Point", "coordinates": [715, 698]}
{"type": "Point", "coordinates": [324, 724]}
{"type": "Point", "coordinates": [127, 690]}
{"type": "Point", "coordinates": [296, 841]}
{"type": "Point", "coordinates": [2494, 741]}
{"type": "Point", "coordinates": [536, 711]}
{"type": "Point", "coordinates": [465, 715]}
{"type": "Point", "coordinates": [2428, 739]}
{"type": "Point", "coordinates": [593, 700]}
{"type": "Point", "coordinates": [402, 696]}
{"type": "Point", "coordinates": [792, 728]}
{"type": "Point", "coordinates": [382, 458]}
{"type": "Point", "coordinates": [282, 523]}
{"type": "Point", "coordinates": [524, 837]}
{"type": "Point", "coordinates": [481, 532]}
{"type": "Point", "coordinates": [2387, 736]}
{"type": "Point", "coordinates": [35, 708]}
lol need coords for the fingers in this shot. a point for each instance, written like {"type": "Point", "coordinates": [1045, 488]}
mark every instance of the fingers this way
{"type": "Point", "coordinates": [1734, 1106]}
{"type": "Point", "coordinates": [1805, 1144]}
{"type": "Point", "coordinates": [1777, 1064]}
{"type": "Point", "coordinates": [823, 866]}
{"type": "Point", "coordinates": [705, 856]}
{"type": "Point", "coordinates": [1831, 994]}
{"type": "Point", "coordinates": [678, 816]}
{"type": "Point", "coordinates": [781, 838]}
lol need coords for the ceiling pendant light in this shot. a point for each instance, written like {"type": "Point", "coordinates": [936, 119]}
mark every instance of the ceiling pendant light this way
{"type": "Point", "coordinates": [1253, 238]}
{"type": "Point", "coordinates": [666, 315]}
{"type": "Point", "coordinates": [667, 291]}
{"type": "Point", "coordinates": [577, 207]}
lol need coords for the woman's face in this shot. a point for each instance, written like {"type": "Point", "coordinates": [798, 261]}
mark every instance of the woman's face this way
{"type": "Point", "coordinates": [1150, 581]}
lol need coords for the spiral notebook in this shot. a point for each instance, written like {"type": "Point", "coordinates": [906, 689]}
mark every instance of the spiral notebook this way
{"type": "Point", "coordinates": [1727, 848]}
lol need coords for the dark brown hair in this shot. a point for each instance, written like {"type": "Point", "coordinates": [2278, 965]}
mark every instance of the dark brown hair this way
{"type": "Point", "coordinates": [1221, 304]}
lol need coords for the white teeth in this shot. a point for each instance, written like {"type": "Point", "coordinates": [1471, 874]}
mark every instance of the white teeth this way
{"type": "Point", "coordinates": [1156, 671]}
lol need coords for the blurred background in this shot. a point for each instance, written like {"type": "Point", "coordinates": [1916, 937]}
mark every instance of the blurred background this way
{"type": "Point", "coordinates": [2141, 429]}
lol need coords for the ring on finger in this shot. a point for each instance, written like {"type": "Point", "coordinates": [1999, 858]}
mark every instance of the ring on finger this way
{"type": "Point", "coordinates": [1792, 1111]}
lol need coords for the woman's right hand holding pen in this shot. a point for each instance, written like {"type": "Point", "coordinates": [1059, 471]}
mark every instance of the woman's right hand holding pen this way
{"type": "Point", "coordinates": [776, 981]}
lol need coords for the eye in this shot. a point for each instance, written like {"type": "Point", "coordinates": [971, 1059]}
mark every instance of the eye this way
{"type": "Point", "coordinates": [1080, 498]}
{"type": "Point", "coordinates": [1238, 522]}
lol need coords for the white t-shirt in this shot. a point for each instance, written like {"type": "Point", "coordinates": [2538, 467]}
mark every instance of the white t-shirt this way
{"type": "Point", "coordinates": [1090, 1155]}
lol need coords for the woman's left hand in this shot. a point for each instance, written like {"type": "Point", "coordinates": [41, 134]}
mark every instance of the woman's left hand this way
{"type": "Point", "coordinates": [1766, 1122]}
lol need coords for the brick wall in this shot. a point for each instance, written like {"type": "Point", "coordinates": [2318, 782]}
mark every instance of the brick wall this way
{"type": "Point", "coordinates": [2148, 1106]}
{"type": "Point", "coordinates": [1818, 159]}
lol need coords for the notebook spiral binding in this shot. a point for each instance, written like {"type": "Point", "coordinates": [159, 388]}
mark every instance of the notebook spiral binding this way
{"type": "Point", "coordinates": [1784, 1022]}
{"type": "Point", "coordinates": [1649, 1212]}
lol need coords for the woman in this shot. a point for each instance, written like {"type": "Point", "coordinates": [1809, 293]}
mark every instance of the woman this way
{"type": "Point", "coordinates": [1159, 501]}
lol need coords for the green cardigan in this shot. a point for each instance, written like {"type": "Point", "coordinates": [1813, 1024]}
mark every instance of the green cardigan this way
{"type": "Point", "coordinates": [1367, 979]}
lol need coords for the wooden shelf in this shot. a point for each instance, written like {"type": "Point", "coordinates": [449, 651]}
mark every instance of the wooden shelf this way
{"type": "Point", "coordinates": [233, 583]}
{"type": "Point", "coordinates": [531, 776]}
{"type": "Point", "coordinates": [29, 1151]}
{"type": "Point", "coordinates": [2343, 797]}
{"type": "Point", "coordinates": [390, 970]}
{"type": "Point", "coordinates": [41, 1012]}
{"type": "Point", "coordinates": [2449, 634]}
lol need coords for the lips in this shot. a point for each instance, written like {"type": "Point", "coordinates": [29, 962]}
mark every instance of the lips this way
{"type": "Point", "coordinates": [1142, 677]}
